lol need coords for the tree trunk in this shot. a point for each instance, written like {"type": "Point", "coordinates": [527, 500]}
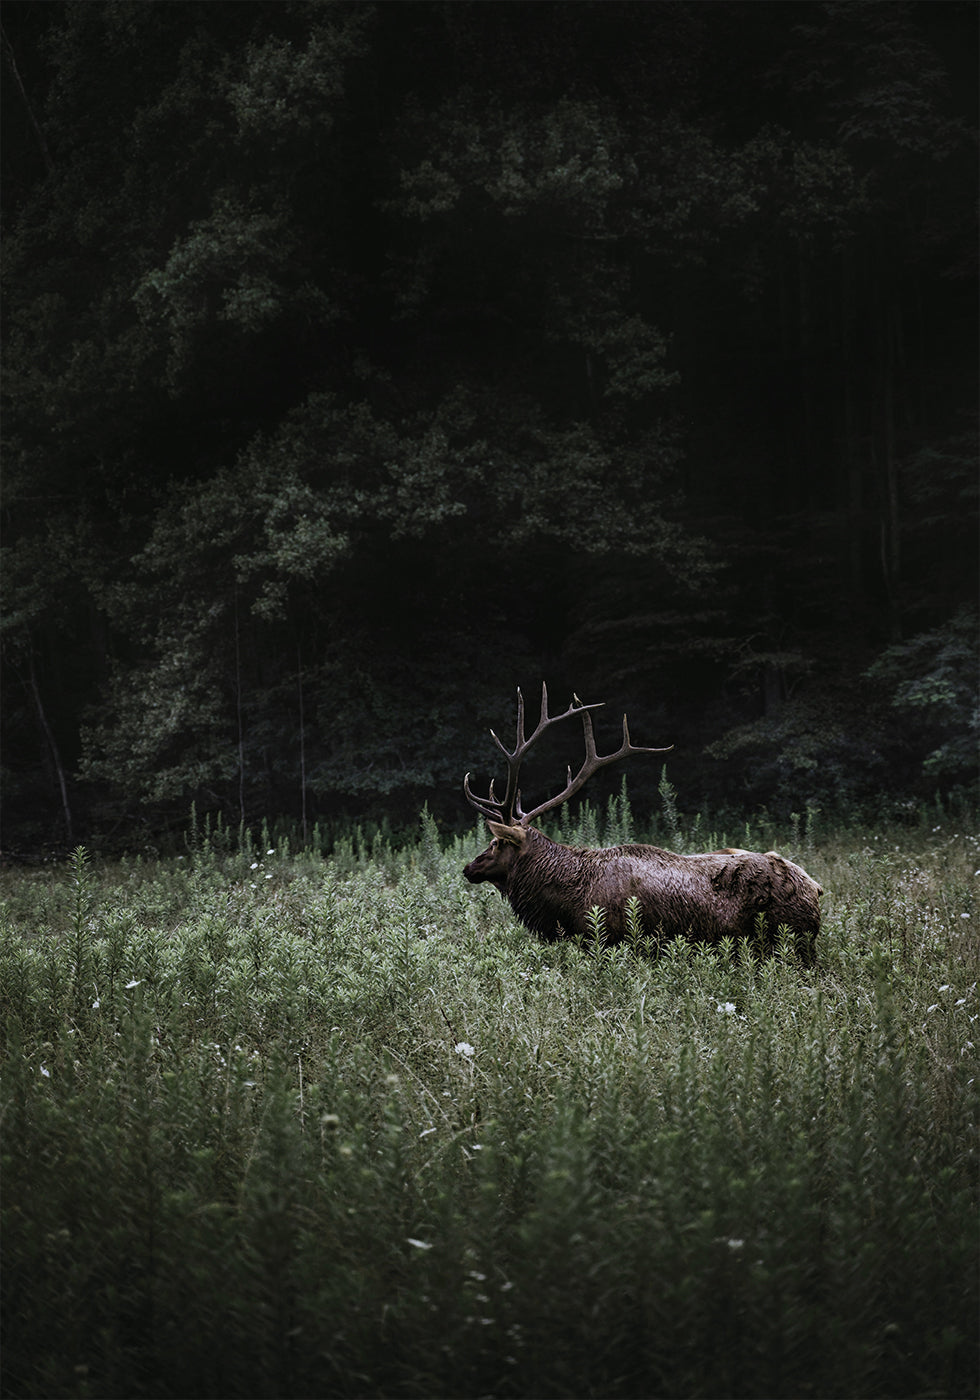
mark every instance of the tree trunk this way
{"type": "Point", "coordinates": [302, 740]}
{"type": "Point", "coordinates": [883, 449]}
{"type": "Point", "coordinates": [39, 136]}
{"type": "Point", "coordinates": [53, 749]}
{"type": "Point", "coordinates": [852, 485]}
{"type": "Point", "coordinates": [238, 714]}
{"type": "Point", "coordinates": [807, 464]}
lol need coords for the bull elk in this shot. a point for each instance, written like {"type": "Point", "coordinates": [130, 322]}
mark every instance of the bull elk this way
{"type": "Point", "coordinates": [552, 888]}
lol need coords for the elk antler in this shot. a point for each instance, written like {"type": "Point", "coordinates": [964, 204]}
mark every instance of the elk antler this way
{"type": "Point", "coordinates": [509, 810]}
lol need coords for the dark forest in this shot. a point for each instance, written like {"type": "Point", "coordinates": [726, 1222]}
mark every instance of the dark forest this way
{"type": "Point", "coordinates": [363, 361]}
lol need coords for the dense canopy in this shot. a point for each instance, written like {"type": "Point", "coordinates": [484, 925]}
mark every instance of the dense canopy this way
{"type": "Point", "coordinates": [365, 360]}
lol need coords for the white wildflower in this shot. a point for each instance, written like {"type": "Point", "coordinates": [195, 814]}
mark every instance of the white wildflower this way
{"type": "Point", "coordinates": [726, 1008]}
{"type": "Point", "coordinates": [464, 1048]}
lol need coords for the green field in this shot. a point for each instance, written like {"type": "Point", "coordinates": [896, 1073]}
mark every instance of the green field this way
{"type": "Point", "coordinates": [281, 1125]}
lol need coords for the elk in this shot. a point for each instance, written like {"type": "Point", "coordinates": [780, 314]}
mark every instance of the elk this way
{"type": "Point", "coordinates": [553, 888]}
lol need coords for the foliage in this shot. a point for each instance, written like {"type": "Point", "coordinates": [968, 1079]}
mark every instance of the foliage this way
{"type": "Point", "coordinates": [934, 675]}
{"type": "Point", "coordinates": [262, 1110]}
{"type": "Point", "coordinates": [351, 343]}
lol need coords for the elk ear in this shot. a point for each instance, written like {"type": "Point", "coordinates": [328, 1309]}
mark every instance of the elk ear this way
{"type": "Point", "coordinates": [513, 835]}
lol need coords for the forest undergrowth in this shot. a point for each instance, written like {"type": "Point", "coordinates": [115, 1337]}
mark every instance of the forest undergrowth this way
{"type": "Point", "coordinates": [276, 1124]}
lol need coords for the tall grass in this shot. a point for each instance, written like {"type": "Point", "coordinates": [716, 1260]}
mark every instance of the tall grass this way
{"type": "Point", "coordinates": [281, 1126]}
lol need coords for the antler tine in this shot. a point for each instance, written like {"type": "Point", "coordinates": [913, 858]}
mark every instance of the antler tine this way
{"type": "Point", "coordinates": [546, 720]}
{"type": "Point", "coordinates": [489, 806]}
{"type": "Point", "coordinates": [509, 809]}
{"type": "Point", "coordinates": [593, 762]}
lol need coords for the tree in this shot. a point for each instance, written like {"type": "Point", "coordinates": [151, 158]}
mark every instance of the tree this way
{"type": "Point", "coordinates": [363, 360]}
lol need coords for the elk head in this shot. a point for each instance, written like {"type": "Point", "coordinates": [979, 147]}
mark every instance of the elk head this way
{"type": "Point", "coordinates": [508, 822]}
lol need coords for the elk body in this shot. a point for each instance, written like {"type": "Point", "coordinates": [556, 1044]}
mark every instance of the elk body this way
{"type": "Point", "coordinates": [552, 888]}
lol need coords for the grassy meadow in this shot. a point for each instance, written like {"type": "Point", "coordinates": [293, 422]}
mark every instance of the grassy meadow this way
{"type": "Point", "coordinates": [275, 1124]}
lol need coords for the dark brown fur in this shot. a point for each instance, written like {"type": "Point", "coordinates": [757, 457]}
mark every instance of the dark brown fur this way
{"type": "Point", "coordinates": [552, 888]}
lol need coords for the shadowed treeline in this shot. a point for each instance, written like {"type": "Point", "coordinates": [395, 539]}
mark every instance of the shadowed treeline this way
{"type": "Point", "coordinates": [364, 360]}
